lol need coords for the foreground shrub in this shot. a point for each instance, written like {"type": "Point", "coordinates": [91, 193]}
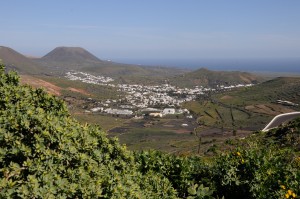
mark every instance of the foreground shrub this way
{"type": "Point", "coordinates": [44, 153]}
{"type": "Point", "coordinates": [258, 171]}
{"type": "Point", "coordinates": [184, 173]}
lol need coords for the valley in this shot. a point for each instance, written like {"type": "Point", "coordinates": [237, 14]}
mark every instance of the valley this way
{"type": "Point", "coordinates": [166, 117]}
{"type": "Point", "coordinates": [160, 108]}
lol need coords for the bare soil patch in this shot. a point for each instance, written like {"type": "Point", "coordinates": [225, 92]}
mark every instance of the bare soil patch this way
{"type": "Point", "coordinates": [226, 97]}
{"type": "Point", "coordinates": [38, 83]}
{"type": "Point", "coordinates": [179, 131]}
{"type": "Point", "coordinates": [168, 125]}
{"type": "Point", "coordinates": [79, 91]}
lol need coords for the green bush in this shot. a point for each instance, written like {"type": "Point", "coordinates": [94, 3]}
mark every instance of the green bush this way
{"type": "Point", "coordinates": [44, 153]}
{"type": "Point", "coordinates": [261, 170]}
{"type": "Point", "coordinates": [182, 172]}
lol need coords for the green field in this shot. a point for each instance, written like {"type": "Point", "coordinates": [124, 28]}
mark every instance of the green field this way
{"type": "Point", "coordinates": [106, 122]}
{"type": "Point", "coordinates": [248, 108]}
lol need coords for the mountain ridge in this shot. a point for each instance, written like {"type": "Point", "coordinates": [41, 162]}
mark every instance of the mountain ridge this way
{"type": "Point", "coordinates": [63, 59]}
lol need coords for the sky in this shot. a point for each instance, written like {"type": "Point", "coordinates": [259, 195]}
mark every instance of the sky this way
{"type": "Point", "coordinates": [155, 29]}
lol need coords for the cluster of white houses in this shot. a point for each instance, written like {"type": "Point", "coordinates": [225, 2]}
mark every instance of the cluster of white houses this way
{"type": "Point", "coordinates": [151, 112]}
{"type": "Point", "coordinates": [165, 95]}
{"type": "Point", "coordinates": [140, 98]}
{"type": "Point", "coordinates": [87, 78]}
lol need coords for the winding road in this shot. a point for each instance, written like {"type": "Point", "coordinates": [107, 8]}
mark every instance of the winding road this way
{"type": "Point", "coordinates": [279, 119]}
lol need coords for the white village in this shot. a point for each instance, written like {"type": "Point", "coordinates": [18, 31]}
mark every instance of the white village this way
{"type": "Point", "coordinates": [155, 101]}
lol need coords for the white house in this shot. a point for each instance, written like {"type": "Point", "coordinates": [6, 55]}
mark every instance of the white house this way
{"type": "Point", "coordinates": [167, 111]}
{"type": "Point", "coordinates": [155, 115]}
{"type": "Point", "coordinates": [96, 109]}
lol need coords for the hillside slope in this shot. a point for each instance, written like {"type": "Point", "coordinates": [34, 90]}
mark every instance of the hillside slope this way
{"type": "Point", "coordinates": [205, 77]}
{"type": "Point", "coordinates": [19, 62]}
{"type": "Point", "coordinates": [281, 88]}
{"type": "Point", "coordinates": [247, 108]}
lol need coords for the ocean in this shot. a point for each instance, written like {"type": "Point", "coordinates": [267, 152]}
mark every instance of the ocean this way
{"type": "Point", "coordinates": [285, 65]}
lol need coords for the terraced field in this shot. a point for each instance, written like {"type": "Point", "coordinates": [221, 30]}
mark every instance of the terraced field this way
{"type": "Point", "coordinates": [247, 108]}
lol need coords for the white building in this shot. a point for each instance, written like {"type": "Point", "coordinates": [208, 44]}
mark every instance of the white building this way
{"type": "Point", "coordinates": [168, 111]}
{"type": "Point", "coordinates": [155, 115]}
{"type": "Point", "coordinates": [97, 109]}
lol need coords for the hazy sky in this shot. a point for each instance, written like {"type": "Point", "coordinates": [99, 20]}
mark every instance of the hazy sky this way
{"type": "Point", "coordinates": [154, 29]}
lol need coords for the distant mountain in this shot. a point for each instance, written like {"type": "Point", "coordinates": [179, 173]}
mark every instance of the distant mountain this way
{"type": "Point", "coordinates": [63, 59]}
{"type": "Point", "coordinates": [69, 58]}
{"type": "Point", "coordinates": [205, 77]}
{"type": "Point", "coordinates": [76, 58]}
{"type": "Point", "coordinates": [77, 54]}
{"type": "Point", "coordinates": [16, 61]}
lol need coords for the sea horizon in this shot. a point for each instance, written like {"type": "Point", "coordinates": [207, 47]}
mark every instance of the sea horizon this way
{"type": "Point", "coordinates": [285, 65]}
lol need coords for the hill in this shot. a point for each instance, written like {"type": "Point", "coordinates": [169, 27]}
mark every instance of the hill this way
{"type": "Point", "coordinates": [77, 58]}
{"type": "Point", "coordinates": [77, 54]}
{"type": "Point", "coordinates": [249, 108]}
{"type": "Point", "coordinates": [205, 77]}
{"type": "Point", "coordinates": [280, 88]}
{"type": "Point", "coordinates": [69, 58]}
{"type": "Point", "coordinates": [18, 62]}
